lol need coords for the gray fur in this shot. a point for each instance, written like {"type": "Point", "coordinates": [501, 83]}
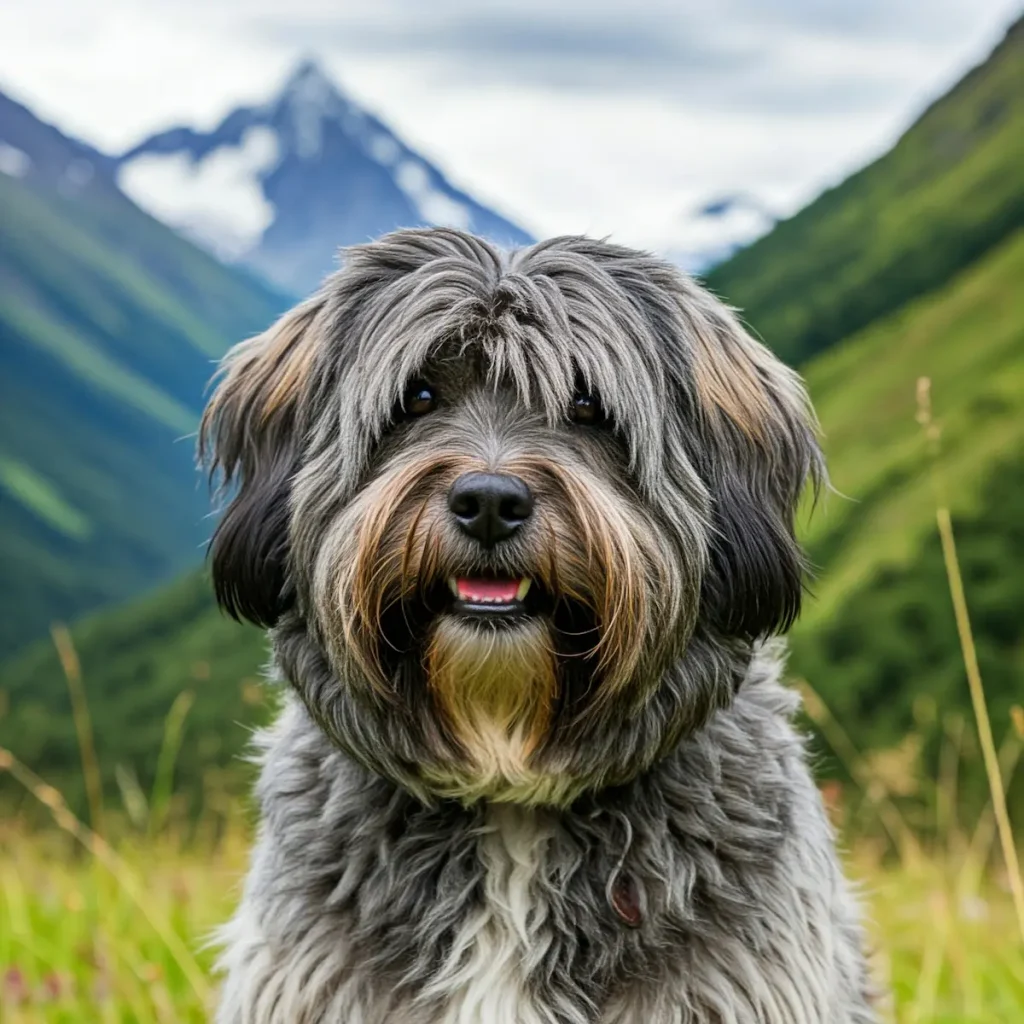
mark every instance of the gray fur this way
{"type": "Point", "coordinates": [390, 880]}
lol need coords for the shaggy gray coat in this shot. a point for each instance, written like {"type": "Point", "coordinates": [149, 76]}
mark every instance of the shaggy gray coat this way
{"type": "Point", "coordinates": [594, 810]}
{"type": "Point", "coordinates": [365, 907]}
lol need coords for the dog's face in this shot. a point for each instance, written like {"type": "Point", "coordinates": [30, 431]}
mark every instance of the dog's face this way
{"type": "Point", "coordinates": [513, 518]}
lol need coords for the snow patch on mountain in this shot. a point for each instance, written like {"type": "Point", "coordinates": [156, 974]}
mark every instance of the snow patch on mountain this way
{"type": "Point", "coordinates": [432, 204]}
{"type": "Point", "coordinates": [78, 173]}
{"type": "Point", "coordinates": [717, 229]}
{"type": "Point", "coordinates": [312, 99]}
{"type": "Point", "coordinates": [14, 162]}
{"type": "Point", "coordinates": [217, 199]}
{"type": "Point", "coordinates": [384, 149]}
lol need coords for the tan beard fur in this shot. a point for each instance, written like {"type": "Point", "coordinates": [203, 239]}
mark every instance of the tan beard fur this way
{"type": "Point", "coordinates": [497, 689]}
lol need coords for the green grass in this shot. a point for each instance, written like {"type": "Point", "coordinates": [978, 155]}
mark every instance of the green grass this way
{"type": "Point", "coordinates": [945, 194]}
{"type": "Point", "coordinates": [78, 943]}
{"type": "Point", "coordinates": [81, 948]}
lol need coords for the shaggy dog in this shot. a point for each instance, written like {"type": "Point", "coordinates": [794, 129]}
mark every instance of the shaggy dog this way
{"type": "Point", "coordinates": [521, 526]}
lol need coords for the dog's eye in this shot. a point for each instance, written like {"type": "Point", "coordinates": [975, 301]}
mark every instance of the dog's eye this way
{"type": "Point", "coordinates": [586, 409]}
{"type": "Point", "coordinates": [420, 398]}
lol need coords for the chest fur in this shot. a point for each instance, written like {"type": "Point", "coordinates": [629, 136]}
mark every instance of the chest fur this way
{"type": "Point", "coordinates": [487, 973]}
{"type": "Point", "coordinates": [386, 911]}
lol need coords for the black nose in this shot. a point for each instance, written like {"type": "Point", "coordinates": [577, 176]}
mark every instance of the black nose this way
{"type": "Point", "coordinates": [490, 506]}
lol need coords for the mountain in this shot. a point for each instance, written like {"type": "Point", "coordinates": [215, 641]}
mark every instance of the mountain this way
{"type": "Point", "coordinates": [110, 325]}
{"type": "Point", "coordinates": [43, 157]}
{"type": "Point", "coordinates": [716, 230]}
{"type": "Point", "coordinates": [946, 193]}
{"type": "Point", "coordinates": [281, 186]}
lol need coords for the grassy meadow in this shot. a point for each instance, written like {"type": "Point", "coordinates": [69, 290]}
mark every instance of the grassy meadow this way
{"type": "Point", "coordinates": [117, 929]}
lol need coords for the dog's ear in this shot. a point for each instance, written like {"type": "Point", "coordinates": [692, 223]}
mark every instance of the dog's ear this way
{"type": "Point", "coordinates": [249, 438]}
{"type": "Point", "coordinates": [761, 450]}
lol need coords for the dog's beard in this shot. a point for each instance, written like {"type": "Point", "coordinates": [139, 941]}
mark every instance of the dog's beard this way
{"type": "Point", "coordinates": [497, 689]}
{"type": "Point", "coordinates": [605, 596]}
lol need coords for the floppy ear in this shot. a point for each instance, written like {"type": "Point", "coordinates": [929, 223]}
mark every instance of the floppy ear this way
{"type": "Point", "coordinates": [761, 450]}
{"type": "Point", "coordinates": [249, 437]}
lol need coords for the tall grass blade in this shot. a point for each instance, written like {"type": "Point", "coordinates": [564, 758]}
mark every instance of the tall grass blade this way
{"type": "Point", "coordinates": [979, 846]}
{"type": "Point", "coordinates": [970, 655]}
{"type": "Point", "coordinates": [163, 783]}
{"type": "Point", "coordinates": [132, 798]}
{"type": "Point", "coordinates": [72, 669]}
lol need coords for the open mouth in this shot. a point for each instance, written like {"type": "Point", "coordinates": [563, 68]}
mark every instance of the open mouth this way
{"type": "Point", "coordinates": [489, 595]}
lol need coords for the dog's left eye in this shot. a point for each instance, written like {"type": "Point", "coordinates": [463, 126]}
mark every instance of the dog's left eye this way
{"type": "Point", "coordinates": [420, 398]}
{"type": "Point", "coordinates": [586, 409]}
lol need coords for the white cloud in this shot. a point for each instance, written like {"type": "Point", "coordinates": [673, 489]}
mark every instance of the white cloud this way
{"type": "Point", "coordinates": [585, 115]}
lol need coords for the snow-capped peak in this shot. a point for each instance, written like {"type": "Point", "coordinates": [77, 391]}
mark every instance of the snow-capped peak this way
{"type": "Point", "coordinates": [309, 97]}
{"type": "Point", "coordinates": [13, 161]}
{"type": "Point", "coordinates": [309, 83]}
{"type": "Point", "coordinates": [281, 186]}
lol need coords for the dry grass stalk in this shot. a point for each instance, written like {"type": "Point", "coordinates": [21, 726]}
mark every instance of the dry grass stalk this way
{"type": "Point", "coordinates": [72, 669]}
{"type": "Point", "coordinates": [966, 635]}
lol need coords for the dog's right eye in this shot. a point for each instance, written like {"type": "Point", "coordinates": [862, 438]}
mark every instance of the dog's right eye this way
{"type": "Point", "coordinates": [586, 409]}
{"type": "Point", "coordinates": [420, 398]}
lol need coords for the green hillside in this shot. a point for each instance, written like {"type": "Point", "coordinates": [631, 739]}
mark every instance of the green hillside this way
{"type": "Point", "coordinates": [886, 660]}
{"type": "Point", "coordinates": [110, 325]}
{"type": "Point", "coordinates": [946, 193]}
{"type": "Point", "coordinates": [879, 636]}
{"type": "Point", "coordinates": [969, 338]}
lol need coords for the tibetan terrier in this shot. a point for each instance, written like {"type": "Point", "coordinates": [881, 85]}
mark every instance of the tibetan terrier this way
{"type": "Point", "coordinates": [521, 528]}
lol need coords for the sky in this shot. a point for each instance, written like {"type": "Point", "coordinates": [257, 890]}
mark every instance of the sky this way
{"type": "Point", "coordinates": [617, 118]}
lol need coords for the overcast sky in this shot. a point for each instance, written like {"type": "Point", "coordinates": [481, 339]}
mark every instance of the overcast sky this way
{"type": "Point", "coordinates": [572, 115]}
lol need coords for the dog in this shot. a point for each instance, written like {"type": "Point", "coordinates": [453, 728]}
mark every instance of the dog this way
{"type": "Point", "coordinates": [521, 528]}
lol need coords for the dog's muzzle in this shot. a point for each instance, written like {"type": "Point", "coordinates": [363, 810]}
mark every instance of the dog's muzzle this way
{"type": "Point", "coordinates": [490, 508]}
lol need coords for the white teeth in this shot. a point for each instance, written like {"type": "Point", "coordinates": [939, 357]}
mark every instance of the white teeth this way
{"type": "Point", "coordinates": [521, 591]}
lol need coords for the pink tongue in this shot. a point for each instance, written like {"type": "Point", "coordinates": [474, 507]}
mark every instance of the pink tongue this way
{"type": "Point", "coordinates": [487, 590]}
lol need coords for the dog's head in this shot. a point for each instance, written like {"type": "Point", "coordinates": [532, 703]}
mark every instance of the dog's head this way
{"type": "Point", "coordinates": [512, 517]}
